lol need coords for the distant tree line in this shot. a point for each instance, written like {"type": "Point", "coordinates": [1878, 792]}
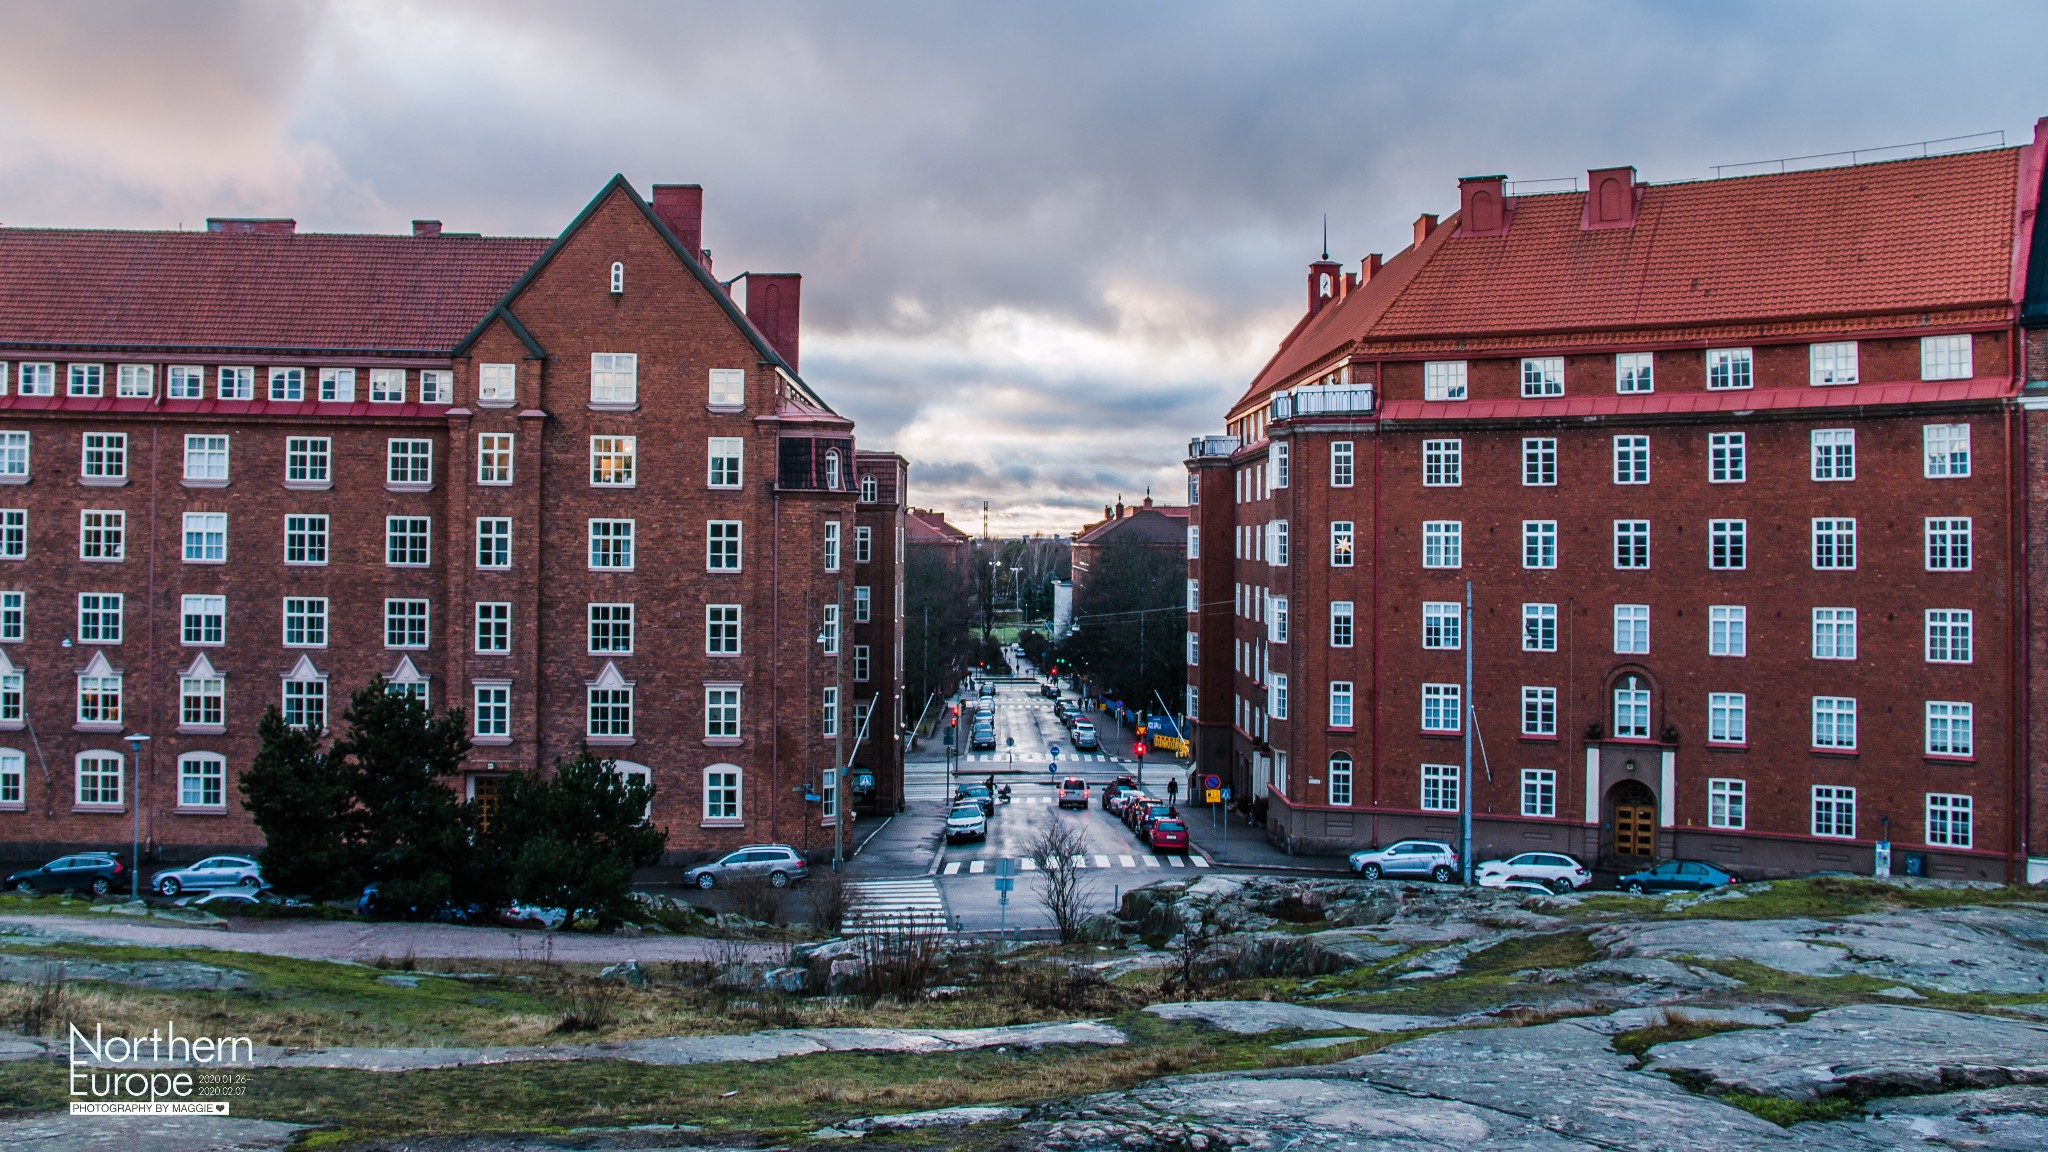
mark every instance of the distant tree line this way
{"type": "Point", "coordinates": [1130, 634]}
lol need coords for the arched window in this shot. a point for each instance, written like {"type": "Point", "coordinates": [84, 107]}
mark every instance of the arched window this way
{"type": "Point", "coordinates": [722, 794]}
{"type": "Point", "coordinates": [832, 470]}
{"type": "Point", "coordinates": [618, 278]}
{"type": "Point", "coordinates": [870, 490]}
{"type": "Point", "coordinates": [13, 778]}
{"type": "Point", "coordinates": [1340, 779]}
{"type": "Point", "coordinates": [628, 770]}
{"type": "Point", "coordinates": [1632, 708]}
{"type": "Point", "coordinates": [202, 782]}
{"type": "Point", "coordinates": [1323, 284]}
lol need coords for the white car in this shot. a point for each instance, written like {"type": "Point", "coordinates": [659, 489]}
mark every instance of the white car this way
{"type": "Point", "coordinates": [211, 873]}
{"type": "Point", "coordinates": [967, 822]}
{"type": "Point", "coordinates": [1560, 873]}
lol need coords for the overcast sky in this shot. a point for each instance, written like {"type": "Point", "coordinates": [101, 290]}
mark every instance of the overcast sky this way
{"type": "Point", "coordinates": [1043, 244]}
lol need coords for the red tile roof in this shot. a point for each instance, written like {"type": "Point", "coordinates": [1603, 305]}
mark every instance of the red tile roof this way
{"type": "Point", "coordinates": [1156, 525]}
{"type": "Point", "coordinates": [1901, 237]}
{"type": "Point", "coordinates": [204, 290]}
{"type": "Point", "coordinates": [925, 526]}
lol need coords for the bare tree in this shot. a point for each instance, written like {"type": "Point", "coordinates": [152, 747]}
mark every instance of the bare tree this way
{"type": "Point", "coordinates": [1064, 887]}
{"type": "Point", "coordinates": [1197, 932]}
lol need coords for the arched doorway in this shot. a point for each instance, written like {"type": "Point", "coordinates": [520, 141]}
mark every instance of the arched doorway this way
{"type": "Point", "coordinates": [1632, 809]}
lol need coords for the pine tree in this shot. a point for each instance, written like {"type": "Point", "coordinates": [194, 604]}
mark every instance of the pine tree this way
{"type": "Point", "coordinates": [302, 800]}
{"type": "Point", "coordinates": [572, 840]}
{"type": "Point", "coordinates": [415, 833]}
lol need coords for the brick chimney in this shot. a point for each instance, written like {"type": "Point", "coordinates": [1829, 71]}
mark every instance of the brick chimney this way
{"type": "Point", "coordinates": [1368, 268]}
{"type": "Point", "coordinates": [774, 300]}
{"type": "Point", "coordinates": [426, 228]}
{"type": "Point", "coordinates": [681, 207]}
{"type": "Point", "coordinates": [1483, 208]}
{"type": "Point", "coordinates": [1612, 195]}
{"type": "Point", "coordinates": [252, 225]}
{"type": "Point", "coordinates": [1424, 225]}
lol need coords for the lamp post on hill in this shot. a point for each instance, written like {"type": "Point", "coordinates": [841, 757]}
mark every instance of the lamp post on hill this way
{"type": "Point", "coordinates": [135, 742]}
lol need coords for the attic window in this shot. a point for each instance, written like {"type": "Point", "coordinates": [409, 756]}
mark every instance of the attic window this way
{"type": "Point", "coordinates": [832, 470]}
{"type": "Point", "coordinates": [618, 278]}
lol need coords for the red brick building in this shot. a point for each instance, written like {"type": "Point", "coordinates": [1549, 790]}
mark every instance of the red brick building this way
{"type": "Point", "coordinates": [1161, 527]}
{"type": "Point", "coordinates": [1731, 468]}
{"type": "Point", "coordinates": [572, 487]}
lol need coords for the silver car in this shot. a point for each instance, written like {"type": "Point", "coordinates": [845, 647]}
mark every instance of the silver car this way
{"type": "Point", "coordinates": [211, 873]}
{"type": "Point", "coordinates": [777, 863]}
{"type": "Point", "coordinates": [1432, 858]}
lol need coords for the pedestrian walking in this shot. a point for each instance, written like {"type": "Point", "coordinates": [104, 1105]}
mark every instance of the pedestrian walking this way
{"type": "Point", "coordinates": [1172, 788]}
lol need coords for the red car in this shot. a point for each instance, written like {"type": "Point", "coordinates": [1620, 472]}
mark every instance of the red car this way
{"type": "Point", "coordinates": [1168, 835]}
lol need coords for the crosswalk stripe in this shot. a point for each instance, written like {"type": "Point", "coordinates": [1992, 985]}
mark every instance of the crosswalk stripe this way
{"type": "Point", "coordinates": [894, 905]}
{"type": "Point", "coordinates": [1176, 861]}
{"type": "Point", "coordinates": [975, 866]}
{"type": "Point", "coordinates": [1027, 864]}
{"type": "Point", "coordinates": [1198, 861]}
{"type": "Point", "coordinates": [1150, 861]}
{"type": "Point", "coordinates": [1127, 862]}
{"type": "Point", "coordinates": [953, 869]}
{"type": "Point", "coordinates": [1101, 860]}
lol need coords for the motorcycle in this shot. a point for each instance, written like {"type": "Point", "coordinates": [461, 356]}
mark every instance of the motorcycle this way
{"type": "Point", "coordinates": [1003, 794]}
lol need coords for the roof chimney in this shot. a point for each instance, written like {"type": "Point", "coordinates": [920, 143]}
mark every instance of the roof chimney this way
{"type": "Point", "coordinates": [1105, 513]}
{"type": "Point", "coordinates": [773, 300]}
{"type": "Point", "coordinates": [426, 228]}
{"type": "Point", "coordinates": [681, 207]}
{"type": "Point", "coordinates": [252, 225]}
{"type": "Point", "coordinates": [1368, 268]}
{"type": "Point", "coordinates": [1424, 225]}
{"type": "Point", "coordinates": [1483, 209]}
{"type": "Point", "coordinates": [1119, 507]}
{"type": "Point", "coordinates": [1611, 198]}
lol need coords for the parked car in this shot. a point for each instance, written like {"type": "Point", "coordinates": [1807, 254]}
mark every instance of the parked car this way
{"type": "Point", "coordinates": [984, 737]}
{"type": "Point", "coordinates": [1560, 872]}
{"type": "Point", "coordinates": [979, 794]}
{"type": "Point", "coordinates": [1678, 876]}
{"type": "Point", "coordinates": [533, 916]}
{"type": "Point", "coordinates": [778, 863]}
{"type": "Point", "coordinates": [1530, 887]}
{"type": "Point", "coordinates": [94, 872]}
{"type": "Point", "coordinates": [1168, 836]}
{"type": "Point", "coordinates": [372, 904]}
{"type": "Point", "coordinates": [1432, 858]}
{"type": "Point", "coordinates": [966, 822]}
{"type": "Point", "coordinates": [1049, 690]}
{"type": "Point", "coordinates": [212, 872]}
{"type": "Point", "coordinates": [1126, 799]}
{"type": "Point", "coordinates": [1116, 788]}
{"type": "Point", "coordinates": [1145, 814]}
{"type": "Point", "coordinates": [1084, 736]}
{"type": "Point", "coordinates": [1073, 793]}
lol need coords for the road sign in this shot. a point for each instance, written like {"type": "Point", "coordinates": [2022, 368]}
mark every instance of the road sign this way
{"type": "Point", "coordinates": [1055, 750]}
{"type": "Point", "coordinates": [1215, 796]}
{"type": "Point", "coordinates": [1212, 781]}
{"type": "Point", "coordinates": [1006, 884]}
{"type": "Point", "coordinates": [1226, 795]}
{"type": "Point", "coordinates": [1009, 741]}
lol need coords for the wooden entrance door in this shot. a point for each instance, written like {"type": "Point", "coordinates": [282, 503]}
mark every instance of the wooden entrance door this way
{"type": "Point", "coordinates": [1635, 821]}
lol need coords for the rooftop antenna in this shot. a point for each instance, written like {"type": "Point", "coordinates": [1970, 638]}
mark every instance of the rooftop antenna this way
{"type": "Point", "coordinates": [1326, 235]}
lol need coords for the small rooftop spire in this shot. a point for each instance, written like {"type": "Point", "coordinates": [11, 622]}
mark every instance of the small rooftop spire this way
{"type": "Point", "coordinates": [1326, 235]}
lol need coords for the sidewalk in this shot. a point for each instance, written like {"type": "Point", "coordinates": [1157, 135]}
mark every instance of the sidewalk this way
{"type": "Point", "coordinates": [904, 846]}
{"type": "Point", "coordinates": [1224, 838]}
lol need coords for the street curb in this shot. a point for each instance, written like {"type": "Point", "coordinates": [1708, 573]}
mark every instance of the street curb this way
{"type": "Point", "coordinates": [870, 836]}
{"type": "Point", "coordinates": [1214, 863]}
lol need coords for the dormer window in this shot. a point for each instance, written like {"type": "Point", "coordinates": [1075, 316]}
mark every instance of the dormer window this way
{"type": "Point", "coordinates": [832, 470]}
{"type": "Point", "coordinates": [870, 490]}
{"type": "Point", "coordinates": [618, 278]}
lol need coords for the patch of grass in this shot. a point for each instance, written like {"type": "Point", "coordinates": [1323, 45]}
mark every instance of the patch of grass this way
{"type": "Point", "coordinates": [1555, 950]}
{"type": "Point", "coordinates": [1785, 1113]}
{"type": "Point", "coordinates": [1818, 896]}
{"type": "Point", "coordinates": [1675, 1025]}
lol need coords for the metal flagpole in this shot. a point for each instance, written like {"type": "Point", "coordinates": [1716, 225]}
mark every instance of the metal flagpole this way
{"type": "Point", "coordinates": [1465, 792]}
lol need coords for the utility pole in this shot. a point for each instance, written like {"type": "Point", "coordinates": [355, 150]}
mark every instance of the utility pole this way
{"type": "Point", "coordinates": [1471, 717]}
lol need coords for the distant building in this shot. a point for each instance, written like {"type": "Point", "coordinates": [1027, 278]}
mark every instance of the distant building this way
{"type": "Point", "coordinates": [1163, 527]}
{"type": "Point", "coordinates": [1062, 608]}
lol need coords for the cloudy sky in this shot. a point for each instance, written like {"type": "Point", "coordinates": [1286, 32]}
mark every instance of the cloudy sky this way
{"type": "Point", "coordinates": [1043, 243]}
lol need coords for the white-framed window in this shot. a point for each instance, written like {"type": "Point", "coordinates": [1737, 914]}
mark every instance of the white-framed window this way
{"type": "Point", "coordinates": [1539, 543]}
{"type": "Point", "coordinates": [1945, 357]}
{"type": "Point", "coordinates": [1443, 543]}
{"type": "Point", "coordinates": [1442, 707]}
{"type": "Point", "coordinates": [1194, 595]}
{"type": "Point", "coordinates": [338, 385]}
{"type": "Point", "coordinates": [185, 382]}
{"type": "Point", "coordinates": [206, 537]}
{"type": "Point", "coordinates": [611, 544]}
{"type": "Point", "coordinates": [494, 627]}
{"type": "Point", "coordinates": [863, 603]}
{"type": "Point", "coordinates": [1276, 696]}
{"type": "Point", "coordinates": [1278, 462]}
{"type": "Point", "coordinates": [609, 628]}
{"type": "Point", "coordinates": [98, 777]}
{"type": "Point", "coordinates": [288, 384]}
{"type": "Point", "coordinates": [202, 781]}
{"type": "Point", "coordinates": [870, 489]}
{"type": "Point", "coordinates": [1631, 544]}
{"type": "Point", "coordinates": [493, 458]}
{"type": "Point", "coordinates": [105, 456]}
{"type": "Point", "coordinates": [608, 711]}
{"type": "Point", "coordinates": [305, 621]}
{"type": "Point", "coordinates": [1343, 537]}
{"type": "Point", "coordinates": [1443, 463]}
{"type": "Point", "coordinates": [722, 629]}
{"type": "Point", "coordinates": [1539, 710]}
{"type": "Point", "coordinates": [1834, 454]}
{"type": "Point", "coordinates": [1539, 793]}
{"type": "Point", "coordinates": [497, 384]}
{"type": "Point", "coordinates": [1343, 468]}
{"type": "Point", "coordinates": [136, 381]}
{"type": "Point", "coordinates": [1539, 461]}
{"type": "Point", "coordinates": [203, 620]}
{"type": "Point", "coordinates": [1727, 457]}
{"type": "Point", "coordinates": [103, 534]}
{"type": "Point", "coordinates": [14, 456]}
{"type": "Point", "coordinates": [387, 385]}
{"type": "Point", "coordinates": [36, 379]}
{"type": "Point", "coordinates": [206, 459]}
{"type": "Point", "coordinates": [1194, 541]}
{"type": "Point", "coordinates": [408, 541]}
{"type": "Point", "coordinates": [13, 616]}
{"type": "Point", "coordinates": [235, 383]}
{"type": "Point", "coordinates": [1276, 619]}
{"type": "Point", "coordinates": [1951, 728]}
{"type": "Point", "coordinates": [1727, 718]}
{"type": "Point", "coordinates": [13, 533]}
{"type": "Point", "coordinates": [1949, 820]}
{"type": "Point", "coordinates": [1727, 630]}
{"type": "Point", "coordinates": [405, 623]}
{"type": "Point", "coordinates": [612, 461]}
{"type": "Point", "coordinates": [1338, 790]}
{"type": "Point", "coordinates": [1194, 648]}
{"type": "Point", "coordinates": [614, 378]}
{"type": "Point", "coordinates": [1834, 633]}
{"type": "Point", "coordinates": [728, 388]}
{"type": "Point", "coordinates": [1948, 543]}
{"type": "Point", "coordinates": [861, 659]}
{"type": "Point", "coordinates": [726, 454]}
{"type": "Point", "coordinates": [831, 712]}
{"type": "Point", "coordinates": [13, 775]}
{"type": "Point", "coordinates": [308, 460]}
{"type": "Point", "coordinates": [305, 539]}
{"type": "Point", "coordinates": [1727, 804]}
{"type": "Point", "coordinates": [1631, 709]}
{"type": "Point", "coordinates": [493, 709]}
{"type": "Point", "coordinates": [1443, 380]}
{"type": "Point", "coordinates": [1727, 544]}
{"type": "Point", "coordinates": [437, 386]}
{"type": "Point", "coordinates": [99, 696]}
{"type": "Point", "coordinates": [1950, 635]}
{"type": "Point", "coordinates": [1542, 376]}
{"type": "Point", "coordinates": [864, 543]}
{"type": "Point", "coordinates": [99, 617]}
{"type": "Point", "coordinates": [1631, 459]}
{"type": "Point", "coordinates": [1632, 629]}
{"type": "Point", "coordinates": [1340, 703]}
{"type": "Point", "coordinates": [722, 545]}
{"type": "Point", "coordinates": [1341, 623]}
{"type": "Point", "coordinates": [1834, 811]}
{"type": "Point", "coordinates": [618, 282]}
{"type": "Point", "coordinates": [494, 541]}
{"type": "Point", "coordinates": [831, 545]}
{"type": "Point", "coordinates": [1834, 542]}
{"type": "Point", "coordinates": [1277, 550]}
{"type": "Point", "coordinates": [1442, 624]}
{"type": "Point", "coordinates": [86, 380]}
{"type": "Point", "coordinates": [1832, 363]}
{"type": "Point", "coordinates": [828, 629]}
{"type": "Point", "coordinates": [202, 701]}
{"type": "Point", "coordinates": [1634, 372]}
{"type": "Point", "coordinates": [1539, 627]}
{"type": "Point", "coordinates": [1946, 448]}
{"type": "Point", "coordinates": [722, 794]}
{"type": "Point", "coordinates": [1834, 722]}
{"type": "Point", "coordinates": [1440, 787]}
{"type": "Point", "coordinates": [1729, 368]}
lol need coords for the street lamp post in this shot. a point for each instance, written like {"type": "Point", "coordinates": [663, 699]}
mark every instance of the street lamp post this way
{"type": "Point", "coordinates": [135, 742]}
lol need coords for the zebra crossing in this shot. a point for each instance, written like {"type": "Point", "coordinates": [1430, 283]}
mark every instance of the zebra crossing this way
{"type": "Point", "coordinates": [1096, 860]}
{"type": "Point", "coordinates": [1069, 758]}
{"type": "Point", "coordinates": [894, 906]}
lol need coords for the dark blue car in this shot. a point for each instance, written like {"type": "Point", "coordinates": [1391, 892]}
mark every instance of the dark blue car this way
{"type": "Point", "coordinates": [1678, 876]}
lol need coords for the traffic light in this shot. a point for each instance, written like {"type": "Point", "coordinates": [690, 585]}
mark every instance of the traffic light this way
{"type": "Point", "coordinates": [1138, 750]}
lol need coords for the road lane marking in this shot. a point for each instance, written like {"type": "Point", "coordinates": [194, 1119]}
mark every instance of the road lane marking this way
{"type": "Point", "coordinates": [1150, 861]}
{"type": "Point", "coordinates": [974, 867]}
{"type": "Point", "coordinates": [1080, 861]}
{"type": "Point", "coordinates": [1176, 861]}
{"type": "Point", "coordinates": [1027, 864]}
{"type": "Point", "coordinates": [882, 905]}
{"type": "Point", "coordinates": [1198, 861]}
{"type": "Point", "coordinates": [953, 869]}
{"type": "Point", "coordinates": [1127, 862]}
{"type": "Point", "coordinates": [1101, 860]}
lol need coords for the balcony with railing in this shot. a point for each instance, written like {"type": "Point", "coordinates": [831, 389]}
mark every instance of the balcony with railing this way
{"type": "Point", "coordinates": [1323, 400]}
{"type": "Point", "coordinates": [1214, 445]}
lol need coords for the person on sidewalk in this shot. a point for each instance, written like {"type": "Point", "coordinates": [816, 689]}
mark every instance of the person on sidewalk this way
{"type": "Point", "coordinates": [1172, 790]}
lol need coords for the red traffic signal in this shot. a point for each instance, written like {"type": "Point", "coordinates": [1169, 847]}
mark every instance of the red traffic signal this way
{"type": "Point", "coordinates": [1139, 749]}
